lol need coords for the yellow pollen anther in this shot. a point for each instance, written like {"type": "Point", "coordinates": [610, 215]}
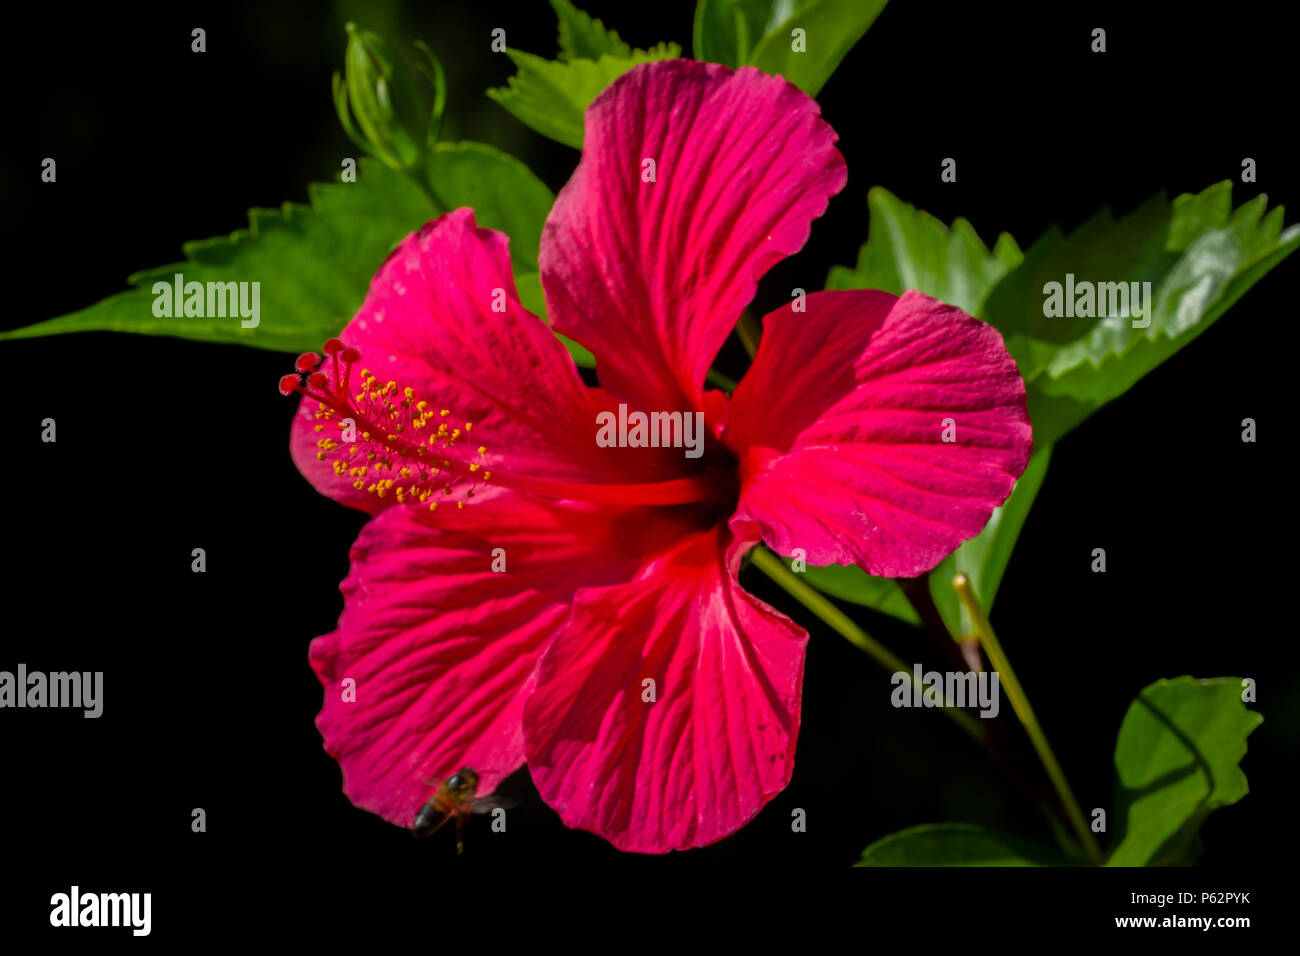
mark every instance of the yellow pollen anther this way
{"type": "Point", "coordinates": [382, 420]}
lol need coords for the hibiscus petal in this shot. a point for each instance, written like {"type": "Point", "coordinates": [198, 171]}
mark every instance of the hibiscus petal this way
{"type": "Point", "coordinates": [840, 425]}
{"type": "Point", "coordinates": [651, 276]}
{"type": "Point", "coordinates": [442, 648]}
{"type": "Point", "coordinates": [718, 741]}
{"type": "Point", "coordinates": [442, 317]}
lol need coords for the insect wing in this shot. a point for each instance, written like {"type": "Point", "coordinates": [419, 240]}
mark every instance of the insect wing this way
{"type": "Point", "coordinates": [493, 801]}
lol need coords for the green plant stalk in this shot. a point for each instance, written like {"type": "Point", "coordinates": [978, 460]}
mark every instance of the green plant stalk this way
{"type": "Point", "coordinates": [421, 175]}
{"type": "Point", "coordinates": [724, 382]}
{"type": "Point", "coordinates": [1020, 704]}
{"type": "Point", "coordinates": [748, 331]}
{"type": "Point", "coordinates": [837, 620]}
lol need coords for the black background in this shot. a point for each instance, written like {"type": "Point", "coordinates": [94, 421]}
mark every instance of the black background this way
{"type": "Point", "coordinates": [165, 445]}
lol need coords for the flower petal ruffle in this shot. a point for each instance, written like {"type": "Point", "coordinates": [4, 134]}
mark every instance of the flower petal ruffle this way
{"type": "Point", "coordinates": [717, 742]}
{"type": "Point", "coordinates": [652, 276]}
{"type": "Point", "coordinates": [442, 647]}
{"type": "Point", "coordinates": [842, 426]}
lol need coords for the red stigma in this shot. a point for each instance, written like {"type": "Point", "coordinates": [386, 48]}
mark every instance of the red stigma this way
{"type": "Point", "coordinates": [332, 346]}
{"type": "Point", "coordinates": [307, 361]}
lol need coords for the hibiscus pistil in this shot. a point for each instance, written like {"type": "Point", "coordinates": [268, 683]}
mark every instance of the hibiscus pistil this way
{"type": "Point", "coordinates": [381, 430]}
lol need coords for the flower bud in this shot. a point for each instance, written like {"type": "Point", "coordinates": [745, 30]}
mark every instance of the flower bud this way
{"type": "Point", "coordinates": [377, 89]}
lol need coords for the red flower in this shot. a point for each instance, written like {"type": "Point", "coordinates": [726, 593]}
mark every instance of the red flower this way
{"type": "Point", "coordinates": [620, 563]}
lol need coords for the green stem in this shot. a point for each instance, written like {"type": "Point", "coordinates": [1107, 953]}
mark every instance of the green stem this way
{"type": "Point", "coordinates": [714, 377]}
{"type": "Point", "coordinates": [420, 175]}
{"type": "Point", "coordinates": [837, 620]}
{"type": "Point", "coordinates": [1020, 704]}
{"type": "Point", "coordinates": [748, 331]}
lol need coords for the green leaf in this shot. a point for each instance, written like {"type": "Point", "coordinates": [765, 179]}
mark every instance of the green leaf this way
{"type": "Point", "coordinates": [1199, 257]}
{"type": "Point", "coordinates": [585, 38]}
{"type": "Point", "coordinates": [983, 559]}
{"type": "Point", "coordinates": [314, 263]}
{"type": "Point", "coordinates": [502, 191]}
{"type": "Point", "coordinates": [849, 583]}
{"type": "Point", "coordinates": [550, 96]}
{"type": "Point", "coordinates": [910, 249]}
{"type": "Point", "coordinates": [727, 30]}
{"type": "Point", "coordinates": [1176, 759]}
{"type": "Point", "coordinates": [957, 844]}
{"type": "Point", "coordinates": [831, 28]}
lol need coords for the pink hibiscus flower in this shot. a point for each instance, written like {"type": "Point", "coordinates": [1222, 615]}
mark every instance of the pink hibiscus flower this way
{"type": "Point", "coordinates": [527, 627]}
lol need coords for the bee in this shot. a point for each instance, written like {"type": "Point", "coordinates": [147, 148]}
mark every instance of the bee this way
{"type": "Point", "coordinates": [454, 798]}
